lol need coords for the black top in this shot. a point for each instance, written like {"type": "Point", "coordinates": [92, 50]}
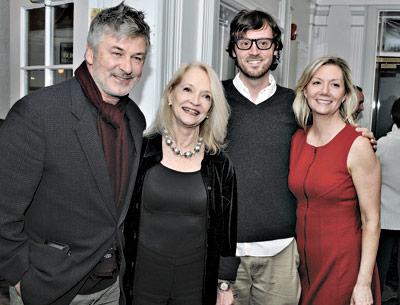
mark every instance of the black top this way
{"type": "Point", "coordinates": [219, 181]}
{"type": "Point", "coordinates": [259, 139]}
{"type": "Point", "coordinates": [173, 212]}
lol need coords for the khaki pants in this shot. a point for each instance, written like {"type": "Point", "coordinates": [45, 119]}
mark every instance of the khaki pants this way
{"type": "Point", "coordinates": [108, 296]}
{"type": "Point", "coordinates": [269, 280]}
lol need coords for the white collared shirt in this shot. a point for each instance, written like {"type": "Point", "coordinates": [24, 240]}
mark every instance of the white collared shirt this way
{"type": "Point", "coordinates": [263, 95]}
{"type": "Point", "coordinates": [270, 247]}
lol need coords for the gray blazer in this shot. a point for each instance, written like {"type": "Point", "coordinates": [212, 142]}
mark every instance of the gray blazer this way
{"type": "Point", "coordinates": [55, 190]}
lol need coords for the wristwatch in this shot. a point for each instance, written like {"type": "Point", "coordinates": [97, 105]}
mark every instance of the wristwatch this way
{"type": "Point", "coordinates": [224, 285]}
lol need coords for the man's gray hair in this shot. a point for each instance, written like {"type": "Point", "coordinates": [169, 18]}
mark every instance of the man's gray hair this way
{"type": "Point", "coordinates": [121, 21]}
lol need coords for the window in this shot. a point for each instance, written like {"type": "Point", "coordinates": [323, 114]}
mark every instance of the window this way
{"type": "Point", "coordinates": [47, 44]}
{"type": "Point", "coordinates": [389, 34]}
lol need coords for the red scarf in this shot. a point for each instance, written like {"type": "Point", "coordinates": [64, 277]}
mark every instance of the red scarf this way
{"type": "Point", "coordinates": [112, 129]}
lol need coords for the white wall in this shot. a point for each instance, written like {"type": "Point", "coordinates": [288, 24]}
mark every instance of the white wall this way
{"type": "Point", "coordinates": [299, 48]}
{"type": "Point", "coordinates": [348, 28]}
{"type": "Point", "coordinates": [147, 92]}
{"type": "Point", "coordinates": [338, 29]}
{"type": "Point", "coordinates": [4, 57]}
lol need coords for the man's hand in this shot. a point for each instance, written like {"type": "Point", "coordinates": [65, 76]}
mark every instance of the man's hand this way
{"type": "Point", "coordinates": [225, 297]}
{"type": "Point", "coordinates": [367, 134]}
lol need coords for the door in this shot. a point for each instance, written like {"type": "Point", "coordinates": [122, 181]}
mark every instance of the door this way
{"type": "Point", "coordinates": [387, 90]}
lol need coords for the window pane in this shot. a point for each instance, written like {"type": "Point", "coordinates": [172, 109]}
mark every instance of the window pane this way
{"type": "Point", "coordinates": [63, 33]}
{"type": "Point", "coordinates": [35, 80]}
{"type": "Point", "coordinates": [61, 75]}
{"type": "Point", "coordinates": [391, 35]}
{"type": "Point", "coordinates": [36, 34]}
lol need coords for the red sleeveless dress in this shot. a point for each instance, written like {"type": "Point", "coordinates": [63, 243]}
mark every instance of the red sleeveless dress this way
{"type": "Point", "coordinates": [328, 225]}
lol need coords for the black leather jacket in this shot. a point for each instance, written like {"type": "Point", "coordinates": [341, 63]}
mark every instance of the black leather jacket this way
{"type": "Point", "coordinates": [220, 182]}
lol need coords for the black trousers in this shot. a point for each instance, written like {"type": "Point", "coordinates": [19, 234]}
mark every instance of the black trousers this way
{"type": "Point", "coordinates": [161, 280]}
{"type": "Point", "coordinates": [388, 240]}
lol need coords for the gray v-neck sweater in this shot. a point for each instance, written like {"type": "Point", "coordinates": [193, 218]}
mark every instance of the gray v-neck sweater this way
{"type": "Point", "coordinates": [259, 139]}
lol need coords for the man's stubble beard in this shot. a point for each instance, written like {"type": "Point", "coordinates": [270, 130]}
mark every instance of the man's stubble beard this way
{"type": "Point", "coordinates": [253, 76]}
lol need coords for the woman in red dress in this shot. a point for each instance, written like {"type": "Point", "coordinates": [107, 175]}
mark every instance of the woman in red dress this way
{"type": "Point", "coordinates": [335, 177]}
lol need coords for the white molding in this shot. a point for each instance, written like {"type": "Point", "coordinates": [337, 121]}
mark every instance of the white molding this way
{"type": "Point", "coordinates": [56, 2]}
{"type": "Point", "coordinates": [282, 13]}
{"type": "Point", "coordinates": [81, 28]}
{"type": "Point", "coordinates": [357, 10]}
{"type": "Point", "coordinates": [357, 53]}
{"type": "Point", "coordinates": [320, 43]}
{"type": "Point", "coordinates": [207, 35]}
{"type": "Point", "coordinates": [48, 38]}
{"type": "Point", "coordinates": [370, 65]}
{"type": "Point", "coordinates": [241, 4]}
{"type": "Point", "coordinates": [285, 14]}
{"type": "Point", "coordinates": [41, 67]}
{"type": "Point", "coordinates": [357, 42]}
{"type": "Point", "coordinates": [318, 30]}
{"type": "Point", "coordinates": [320, 15]}
{"type": "Point", "coordinates": [358, 14]}
{"type": "Point", "coordinates": [172, 30]}
{"type": "Point", "coordinates": [22, 84]}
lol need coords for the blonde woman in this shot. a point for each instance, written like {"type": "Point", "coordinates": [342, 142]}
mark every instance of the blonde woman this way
{"type": "Point", "coordinates": [183, 217]}
{"type": "Point", "coordinates": [335, 177]}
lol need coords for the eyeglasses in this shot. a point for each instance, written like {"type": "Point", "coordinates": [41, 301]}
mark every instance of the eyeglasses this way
{"type": "Point", "coordinates": [262, 43]}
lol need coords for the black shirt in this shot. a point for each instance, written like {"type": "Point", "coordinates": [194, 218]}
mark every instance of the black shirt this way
{"type": "Point", "coordinates": [173, 221]}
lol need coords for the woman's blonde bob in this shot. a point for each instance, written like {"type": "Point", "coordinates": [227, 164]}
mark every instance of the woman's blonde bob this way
{"type": "Point", "coordinates": [301, 109]}
{"type": "Point", "coordinates": [212, 129]}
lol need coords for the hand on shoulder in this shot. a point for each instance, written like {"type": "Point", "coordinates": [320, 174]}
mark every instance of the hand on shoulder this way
{"type": "Point", "coordinates": [362, 156]}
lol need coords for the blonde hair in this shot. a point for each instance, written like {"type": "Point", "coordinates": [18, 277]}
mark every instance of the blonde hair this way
{"type": "Point", "coordinates": [301, 109]}
{"type": "Point", "coordinates": [213, 129]}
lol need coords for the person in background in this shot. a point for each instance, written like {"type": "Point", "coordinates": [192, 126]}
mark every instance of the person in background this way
{"type": "Point", "coordinates": [335, 177]}
{"type": "Point", "coordinates": [181, 229]}
{"type": "Point", "coordinates": [388, 152]}
{"type": "Point", "coordinates": [69, 158]}
{"type": "Point", "coordinates": [360, 99]}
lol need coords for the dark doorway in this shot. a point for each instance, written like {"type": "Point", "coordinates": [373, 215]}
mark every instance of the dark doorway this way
{"type": "Point", "coordinates": [387, 90]}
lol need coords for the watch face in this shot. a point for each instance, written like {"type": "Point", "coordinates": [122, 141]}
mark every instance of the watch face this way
{"type": "Point", "coordinates": [224, 286]}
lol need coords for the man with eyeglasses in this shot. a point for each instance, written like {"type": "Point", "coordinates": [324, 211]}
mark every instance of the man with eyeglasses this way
{"type": "Point", "coordinates": [259, 135]}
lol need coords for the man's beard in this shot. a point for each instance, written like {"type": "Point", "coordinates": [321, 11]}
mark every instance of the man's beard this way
{"type": "Point", "coordinates": [250, 75]}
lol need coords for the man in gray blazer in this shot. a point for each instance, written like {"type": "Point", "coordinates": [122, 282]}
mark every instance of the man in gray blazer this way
{"type": "Point", "coordinates": [68, 160]}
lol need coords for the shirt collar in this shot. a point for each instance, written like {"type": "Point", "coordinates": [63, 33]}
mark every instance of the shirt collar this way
{"type": "Point", "coordinates": [263, 95]}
